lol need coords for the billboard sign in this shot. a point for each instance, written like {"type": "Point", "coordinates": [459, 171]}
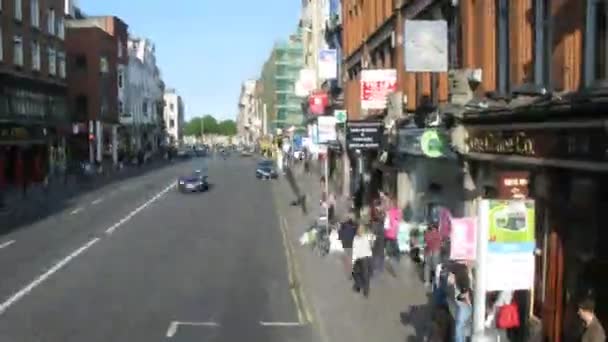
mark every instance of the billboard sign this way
{"type": "Point", "coordinates": [376, 85]}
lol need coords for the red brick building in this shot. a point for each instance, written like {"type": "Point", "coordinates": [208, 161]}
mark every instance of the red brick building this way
{"type": "Point", "coordinates": [96, 49]}
{"type": "Point", "coordinates": [33, 114]}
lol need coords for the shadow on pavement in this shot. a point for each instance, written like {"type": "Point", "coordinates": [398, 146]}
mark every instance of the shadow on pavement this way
{"type": "Point", "coordinates": [417, 317]}
{"type": "Point", "coordinates": [59, 199]}
{"type": "Point", "coordinates": [300, 199]}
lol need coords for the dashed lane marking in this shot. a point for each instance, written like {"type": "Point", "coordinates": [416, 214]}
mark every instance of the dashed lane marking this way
{"type": "Point", "coordinates": [76, 211]}
{"type": "Point", "coordinates": [281, 324]}
{"type": "Point", "coordinates": [174, 326]}
{"type": "Point", "coordinates": [6, 244]}
{"type": "Point", "coordinates": [138, 209]}
{"type": "Point", "coordinates": [97, 201]}
{"type": "Point", "coordinates": [36, 282]}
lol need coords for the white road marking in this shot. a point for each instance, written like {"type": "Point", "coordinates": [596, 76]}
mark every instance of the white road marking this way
{"type": "Point", "coordinates": [97, 201]}
{"type": "Point", "coordinates": [172, 330]}
{"type": "Point", "coordinates": [76, 211]}
{"type": "Point", "coordinates": [281, 324]}
{"type": "Point", "coordinates": [138, 209]}
{"type": "Point", "coordinates": [6, 244]}
{"type": "Point", "coordinates": [26, 290]}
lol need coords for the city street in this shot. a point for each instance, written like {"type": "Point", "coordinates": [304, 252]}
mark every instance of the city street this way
{"type": "Point", "coordinates": [138, 261]}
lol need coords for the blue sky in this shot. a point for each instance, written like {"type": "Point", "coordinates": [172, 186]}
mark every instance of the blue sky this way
{"type": "Point", "coordinates": [206, 48]}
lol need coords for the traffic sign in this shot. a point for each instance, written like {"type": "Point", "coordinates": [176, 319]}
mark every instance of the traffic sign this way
{"type": "Point", "coordinates": [340, 115]}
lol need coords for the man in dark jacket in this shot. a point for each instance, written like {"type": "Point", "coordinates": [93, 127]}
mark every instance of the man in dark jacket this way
{"type": "Point", "coordinates": [346, 234]}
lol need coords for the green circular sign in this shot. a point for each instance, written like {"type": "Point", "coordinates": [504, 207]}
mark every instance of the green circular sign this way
{"type": "Point", "coordinates": [431, 144]}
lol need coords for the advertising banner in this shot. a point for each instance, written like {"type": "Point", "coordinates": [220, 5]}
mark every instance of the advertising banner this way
{"type": "Point", "coordinates": [328, 64]}
{"type": "Point", "coordinates": [376, 85]}
{"type": "Point", "coordinates": [510, 245]}
{"type": "Point", "coordinates": [463, 238]}
{"type": "Point", "coordinates": [318, 102]}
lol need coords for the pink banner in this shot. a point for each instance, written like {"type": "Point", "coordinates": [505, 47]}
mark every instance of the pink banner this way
{"type": "Point", "coordinates": [445, 218]}
{"type": "Point", "coordinates": [463, 238]}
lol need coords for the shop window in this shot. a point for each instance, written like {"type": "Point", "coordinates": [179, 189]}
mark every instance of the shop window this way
{"type": "Point", "coordinates": [543, 28]}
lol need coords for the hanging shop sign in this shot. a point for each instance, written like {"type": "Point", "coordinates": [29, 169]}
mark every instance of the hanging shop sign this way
{"type": "Point", "coordinates": [327, 129]}
{"type": "Point", "coordinates": [328, 64]}
{"type": "Point", "coordinates": [426, 45]}
{"type": "Point", "coordinates": [575, 144]}
{"type": "Point", "coordinates": [364, 135]}
{"type": "Point", "coordinates": [376, 85]}
{"type": "Point", "coordinates": [513, 184]}
{"type": "Point", "coordinates": [317, 102]}
{"type": "Point", "coordinates": [340, 115]}
{"type": "Point", "coordinates": [431, 143]}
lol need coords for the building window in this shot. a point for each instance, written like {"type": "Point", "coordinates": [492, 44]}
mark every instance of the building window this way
{"type": "Point", "coordinates": [171, 123]}
{"type": "Point", "coordinates": [1, 44]}
{"type": "Point", "coordinates": [62, 64]}
{"type": "Point", "coordinates": [144, 107]}
{"type": "Point", "coordinates": [104, 66]}
{"type": "Point", "coordinates": [171, 107]}
{"type": "Point", "coordinates": [50, 21]}
{"type": "Point", "coordinates": [35, 13]}
{"type": "Point", "coordinates": [18, 10]}
{"type": "Point", "coordinates": [119, 48]}
{"type": "Point", "coordinates": [120, 108]}
{"type": "Point", "coordinates": [35, 55]}
{"type": "Point", "coordinates": [61, 28]}
{"type": "Point", "coordinates": [52, 61]}
{"type": "Point", "coordinates": [80, 62]}
{"type": "Point", "coordinates": [596, 42]}
{"type": "Point", "coordinates": [120, 79]}
{"type": "Point", "coordinates": [503, 79]}
{"type": "Point", "coordinates": [18, 50]}
{"type": "Point", "coordinates": [543, 24]}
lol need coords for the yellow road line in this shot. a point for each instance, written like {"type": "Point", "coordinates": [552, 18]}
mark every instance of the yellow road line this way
{"type": "Point", "coordinates": [292, 284]}
{"type": "Point", "coordinates": [305, 304]}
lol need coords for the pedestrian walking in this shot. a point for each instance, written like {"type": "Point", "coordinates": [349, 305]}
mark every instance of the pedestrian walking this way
{"type": "Point", "coordinates": [432, 253]}
{"type": "Point", "coordinates": [377, 228]}
{"type": "Point", "coordinates": [362, 254]}
{"type": "Point", "coordinates": [594, 332]}
{"type": "Point", "coordinates": [461, 277]}
{"type": "Point", "coordinates": [391, 232]}
{"type": "Point", "coordinates": [346, 234]}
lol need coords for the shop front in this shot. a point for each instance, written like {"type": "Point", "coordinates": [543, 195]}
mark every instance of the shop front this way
{"type": "Point", "coordinates": [364, 141]}
{"type": "Point", "coordinates": [562, 166]}
{"type": "Point", "coordinates": [429, 172]}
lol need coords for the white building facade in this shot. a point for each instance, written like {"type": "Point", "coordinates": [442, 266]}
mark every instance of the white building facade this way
{"type": "Point", "coordinates": [250, 119]}
{"type": "Point", "coordinates": [141, 96]}
{"type": "Point", "coordinates": [174, 117]}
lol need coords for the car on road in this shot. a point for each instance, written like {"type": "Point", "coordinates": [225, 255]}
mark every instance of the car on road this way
{"type": "Point", "coordinates": [246, 153]}
{"type": "Point", "coordinates": [266, 169]}
{"type": "Point", "coordinates": [195, 182]}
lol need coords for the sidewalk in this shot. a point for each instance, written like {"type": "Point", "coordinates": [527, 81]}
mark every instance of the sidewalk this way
{"type": "Point", "coordinates": [396, 309]}
{"type": "Point", "coordinates": [40, 202]}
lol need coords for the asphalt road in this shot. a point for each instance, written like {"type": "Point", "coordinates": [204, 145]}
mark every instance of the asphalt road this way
{"type": "Point", "coordinates": [138, 261]}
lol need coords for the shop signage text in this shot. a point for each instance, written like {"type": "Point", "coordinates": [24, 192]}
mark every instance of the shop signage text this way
{"type": "Point", "coordinates": [513, 185]}
{"type": "Point", "coordinates": [581, 144]}
{"type": "Point", "coordinates": [364, 135]}
{"type": "Point", "coordinates": [20, 133]}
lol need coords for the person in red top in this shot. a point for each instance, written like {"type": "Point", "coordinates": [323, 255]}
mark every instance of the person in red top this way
{"type": "Point", "coordinates": [432, 252]}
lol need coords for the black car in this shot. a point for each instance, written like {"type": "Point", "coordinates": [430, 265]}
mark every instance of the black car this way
{"type": "Point", "coordinates": [196, 182]}
{"type": "Point", "coordinates": [266, 170]}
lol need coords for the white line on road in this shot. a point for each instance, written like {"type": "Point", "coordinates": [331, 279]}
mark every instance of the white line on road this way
{"type": "Point", "coordinates": [6, 244]}
{"type": "Point", "coordinates": [24, 291]}
{"type": "Point", "coordinates": [138, 209]}
{"type": "Point", "coordinates": [281, 324]}
{"type": "Point", "coordinates": [97, 201]}
{"type": "Point", "coordinates": [175, 325]}
{"type": "Point", "coordinates": [76, 211]}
